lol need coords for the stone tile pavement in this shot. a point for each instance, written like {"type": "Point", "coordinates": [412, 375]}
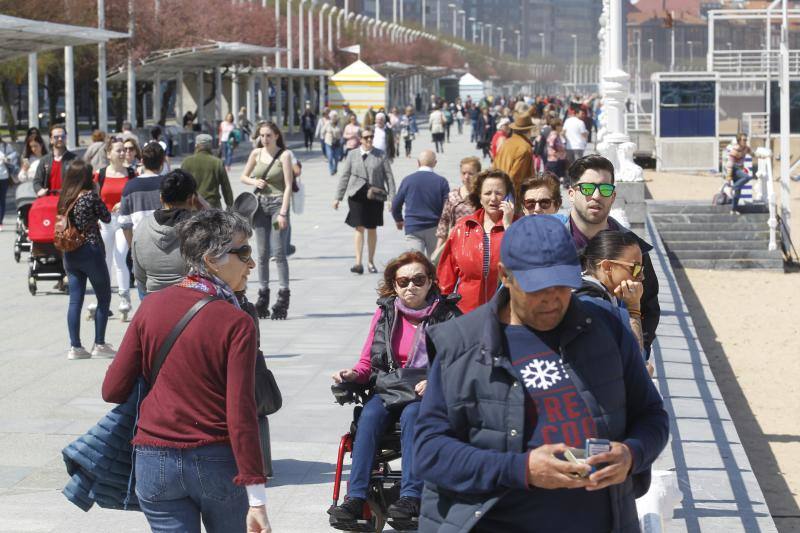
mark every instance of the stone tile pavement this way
{"type": "Point", "coordinates": [46, 400]}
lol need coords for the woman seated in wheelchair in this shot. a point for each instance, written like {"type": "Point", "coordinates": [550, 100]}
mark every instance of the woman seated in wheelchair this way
{"type": "Point", "coordinates": [409, 302]}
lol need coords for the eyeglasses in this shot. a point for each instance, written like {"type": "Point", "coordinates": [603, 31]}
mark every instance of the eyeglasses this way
{"type": "Point", "coordinates": [244, 253]}
{"type": "Point", "coordinates": [419, 280]}
{"type": "Point", "coordinates": [530, 204]}
{"type": "Point", "coordinates": [58, 136]}
{"type": "Point", "coordinates": [587, 189]}
{"type": "Point", "coordinates": [367, 137]}
{"type": "Point", "coordinates": [637, 270]}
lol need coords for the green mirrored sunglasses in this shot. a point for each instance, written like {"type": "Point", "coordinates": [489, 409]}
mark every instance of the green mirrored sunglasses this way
{"type": "Point", "coordinates": [587, 189]}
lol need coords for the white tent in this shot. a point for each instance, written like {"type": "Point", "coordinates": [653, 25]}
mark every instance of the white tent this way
{"type": "Point", "coordinates": [469, 85]}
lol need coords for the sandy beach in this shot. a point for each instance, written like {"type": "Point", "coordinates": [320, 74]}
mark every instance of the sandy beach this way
{"type": "Point", "coordinates": [749, 326]}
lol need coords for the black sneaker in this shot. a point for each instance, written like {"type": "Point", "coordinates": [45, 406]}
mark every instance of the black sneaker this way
{"type": "Point", "coordinates": [350, 510]}
{"type": "Point", "coordinates": [404, 508]}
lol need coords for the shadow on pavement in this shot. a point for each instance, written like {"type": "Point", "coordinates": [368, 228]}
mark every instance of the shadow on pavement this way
{"type": "Point", "coordinates": [299, 472]}
{"type": "Point", "coordinates": [779, 498]}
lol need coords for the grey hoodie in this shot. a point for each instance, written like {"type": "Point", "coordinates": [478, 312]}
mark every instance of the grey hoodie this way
{"type": "Point", "coordinates": [157, 261]}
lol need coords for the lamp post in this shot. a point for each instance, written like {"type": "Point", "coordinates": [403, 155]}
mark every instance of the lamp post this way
{"type": "Point", "coordinates": [480, 28]}
{"type": "Point", "coordinates": [322, 11]}
{"type": "Point", "coordinates": [519, 49]}
{"type": "Point", "coordinates": [311, 36]}
{"type": "Point", "coordinates": [541, 34]}
{"type": "Point", "coordinates": [288, 33]}
{"type": "Point", "coordinates": [651, 49]}
{"type": "Point", "coordinates": [424, 15]}
{"type": "Point", "coordinates": [463, 24]}
{"type": "Point", "coordinates": [301, 60]}
{"type": "Point", "coordinates": [472, 29]}
{"type": "Point", "coordinates": [333, 12]}
{"type": "Point", "coordinates": [502, 41]}
{"type": "Point", "coordinates": [377, 10]}
{"type": "Point", "coordinates": [438, 16]}
{"type": "Point", "coordinates": [574, 60]}
{"type": "Point", "coordinates": [455, 22]}
{"type": "Point", "coordinates": [691, 51]}
{"type": "Point", "coordinates": [490, 27]}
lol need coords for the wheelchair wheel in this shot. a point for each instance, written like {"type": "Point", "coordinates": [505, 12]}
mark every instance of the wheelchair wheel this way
{"type": "Point", "coordinates": [378, 515]}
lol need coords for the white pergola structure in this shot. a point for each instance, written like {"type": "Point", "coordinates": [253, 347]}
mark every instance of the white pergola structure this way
{"type": "Point", "coordinates": [24, 37]}
{"type": "Point", "coordinates": [215, 56]}
{"type": "Point", "coordinates": [305, 79]}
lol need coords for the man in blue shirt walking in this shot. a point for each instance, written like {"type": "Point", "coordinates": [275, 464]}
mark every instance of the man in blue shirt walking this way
{"type": "Point", "coordinates": [423, 194]}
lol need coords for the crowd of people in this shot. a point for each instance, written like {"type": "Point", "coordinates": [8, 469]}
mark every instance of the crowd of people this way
{"type": "Point", "coordinates": [495, 282]}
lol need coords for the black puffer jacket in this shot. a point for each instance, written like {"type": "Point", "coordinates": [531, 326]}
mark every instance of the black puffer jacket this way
{"type": "Point", "coordinates": [381, 349]}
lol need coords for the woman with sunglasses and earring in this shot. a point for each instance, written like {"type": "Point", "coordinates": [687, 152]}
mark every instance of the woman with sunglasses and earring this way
{"type": "Point", "coordinates": [613, 271]}
{"type": "Point", "coordinates": [410, 301]}
{"type": "Point", "coordinates": [269, 170]}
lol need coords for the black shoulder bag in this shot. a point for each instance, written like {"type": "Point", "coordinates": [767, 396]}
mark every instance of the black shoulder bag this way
{"type": "Point", "coordinates": [397, 387]}
{"type": "Point", "coordinates": [250, 199]}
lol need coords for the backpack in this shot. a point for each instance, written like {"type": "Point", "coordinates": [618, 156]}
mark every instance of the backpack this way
{"type": "Point", "coordinates": [67, 238]}
{"type": "Point", "coordinates": [448, 116]}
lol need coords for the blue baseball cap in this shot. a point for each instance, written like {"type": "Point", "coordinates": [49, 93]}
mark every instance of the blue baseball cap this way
{"type": "Point", "coordinates": [540, 253]}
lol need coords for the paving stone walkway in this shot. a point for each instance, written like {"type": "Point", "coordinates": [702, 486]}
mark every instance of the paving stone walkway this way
{"type": "Point", "coordinates": [46, 400]}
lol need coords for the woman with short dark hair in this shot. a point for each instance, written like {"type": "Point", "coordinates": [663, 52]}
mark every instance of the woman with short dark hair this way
{"type": "Point", "coordinates": [81, 203]}
{"type": "Point", "coordinates": [409, 302]}
{"type": "Point", "coordinates": [197, 445]}
{"type": "Point", "coordinates": [541, 195]}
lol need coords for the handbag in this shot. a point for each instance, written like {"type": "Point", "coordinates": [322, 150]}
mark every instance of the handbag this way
{"type": "Point", "coordinates": [397, 387]}
{"type": "Point", "coordinates": [101, 463]}
{"type": "Point", "coordinates": [268, 396]}
{"type": "Point", "coordinates": [67, 238]}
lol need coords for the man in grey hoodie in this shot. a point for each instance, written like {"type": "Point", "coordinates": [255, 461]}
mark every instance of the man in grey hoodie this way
{"type": "Point", "coordinates": [157, 261]}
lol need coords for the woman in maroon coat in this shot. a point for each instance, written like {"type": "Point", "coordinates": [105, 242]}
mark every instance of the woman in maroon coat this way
{"type": "Point", "coordinates": [197, 443]}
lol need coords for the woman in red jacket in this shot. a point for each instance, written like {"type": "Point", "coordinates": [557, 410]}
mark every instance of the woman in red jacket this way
{"type": "Point", "coordinates": [468, 265]}
{"type": "Point", "coordinates": [197, 444]}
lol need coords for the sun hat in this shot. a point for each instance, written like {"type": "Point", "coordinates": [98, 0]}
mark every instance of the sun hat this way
{"type": "Point", "coordinates": [539, 252]}
{"type": "Point", "coordinates": [522, 123]}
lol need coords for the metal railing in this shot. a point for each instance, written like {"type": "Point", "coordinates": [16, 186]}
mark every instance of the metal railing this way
{"type": "Point", "coordinates": [639, 122]}
{"type": "Point", "coordinates": [764, 174]}
{"type": "Point", "coordinates": [756, 124]}
{"type": "Point", "coordinates": [753, 63]}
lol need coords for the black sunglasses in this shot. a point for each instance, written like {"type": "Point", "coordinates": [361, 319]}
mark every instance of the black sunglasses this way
{"type": "Point", "coordinates": [419, 280]}
{"type": "Point", "coordinates": [244, 253]}
{"type": "Point", "coordinates": [530, 204]}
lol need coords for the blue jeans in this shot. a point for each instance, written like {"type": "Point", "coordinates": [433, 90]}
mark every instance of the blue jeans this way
{"type": "Point", "coordinates": [740, 178]}
{"type": "Point", "coordinates": [334, 155]}
{"type": "Point", "coordinates": [87, 262]}
{"type": "Point", "coordinates": [372, 424]}
{"type": "Point", "coordinates": [177, 488]}
{"type": "Point", "coordinates": [227, 153]}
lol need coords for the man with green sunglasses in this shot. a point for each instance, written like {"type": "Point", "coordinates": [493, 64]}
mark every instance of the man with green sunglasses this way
{"type": "Point", "coordinates": [592, 192]}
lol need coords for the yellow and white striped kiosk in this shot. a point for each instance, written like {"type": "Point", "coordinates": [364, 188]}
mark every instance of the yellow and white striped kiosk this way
{"type": "Point", "coordinates": [359, 86]}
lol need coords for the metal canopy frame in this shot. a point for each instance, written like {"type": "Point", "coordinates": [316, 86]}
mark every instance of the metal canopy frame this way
{"type": "Point", "coordinates": [20, 37]}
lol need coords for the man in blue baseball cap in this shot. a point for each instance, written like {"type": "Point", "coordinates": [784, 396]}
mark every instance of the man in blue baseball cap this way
{"type": "Point", "coordinates": [517, 382]}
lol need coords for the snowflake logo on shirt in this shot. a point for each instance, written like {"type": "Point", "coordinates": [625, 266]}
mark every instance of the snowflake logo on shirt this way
{"type": "Point", "coordinates": [541, 374]}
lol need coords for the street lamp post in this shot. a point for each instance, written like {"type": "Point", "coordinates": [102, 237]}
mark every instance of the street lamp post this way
{"type": "Point", "coordinates": [501, 40]}
{"type": "Point", "coordinates": [490, 27]}
{"type": "Point", "coordinates": [463, 24]}
{"type": "Point", "coordinates": [519, 50]}
{"type": "Point", "coordinates": [472, 29]}
{"type": "Point", "coordinates": [480, 28]}
{"type": "Point", "coordinates": [301, 61]}
{"type": "Point", "coordinates": [455, 22]}
{"type": "Point", "coordinates": [575, 60]}
{"type": "Point", "coordinates": [691, 51]}
{"type": "Point", "coordinates": [541, 34]}
{"type": "Point", "coordinates": [424, 15]}
{"type": "Point", "coordinates": [438, 16]}
{"type": "Point", "coordinates": [651, 49]}
{"type": "Point", "coordinates": [333, 13]}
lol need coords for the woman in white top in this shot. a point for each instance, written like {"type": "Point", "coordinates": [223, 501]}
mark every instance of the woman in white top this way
{"type": "Point", "coordinates": [31, 154]}
{"type": "Point", "coordinates": [226, 128]}
{"type": "Point", "coordinates": [436, 122]}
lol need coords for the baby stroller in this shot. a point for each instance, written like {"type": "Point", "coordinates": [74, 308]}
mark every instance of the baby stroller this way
{"type": "Point", "coordinates": [384, 483]}
{"type": "Point", "coordinates": [45, 262]}
{"type": "Point", "coordinates": [23, 199]}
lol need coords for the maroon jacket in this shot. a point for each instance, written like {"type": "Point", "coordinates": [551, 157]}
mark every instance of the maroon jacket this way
{"type": "Point", "coordinates": [204, 393]}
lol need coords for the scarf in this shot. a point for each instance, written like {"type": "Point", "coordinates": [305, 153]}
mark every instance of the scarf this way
{"type": "Point", "coordinates": [418, 356]}
{"type": "Point", "coordinates": [210, 284]}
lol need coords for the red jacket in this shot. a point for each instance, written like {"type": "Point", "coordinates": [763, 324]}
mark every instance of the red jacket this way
{"type": "Point", "coordinates": [461, 263]}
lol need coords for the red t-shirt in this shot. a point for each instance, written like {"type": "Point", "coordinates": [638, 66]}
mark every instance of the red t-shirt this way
{"type": "Point", "coordinates": [55, 176]}
{"type": "Point", "coordinates": [111, 193]}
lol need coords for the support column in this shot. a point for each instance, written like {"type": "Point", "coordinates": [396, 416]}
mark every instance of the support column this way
{"type": "Point", "coordinates": [131, 92]}
{"type": "Point", "coordinates": [278, 84]}
{"type": "Point", "coordinates": [33, 91]}
{"type": "Point", "coordinates": [290, 107]}
{"type": "Point", "coordinates": [277, 34]}
{"type": "Point", "coordinates": [217, 96]}
{"type": "Point", "coordinates": [303, 94]}
{"type": "Point", "coordinates": [251, 98]}
{"type": "Point", "coordinates": [235, 103]}
{"type": "Point", "coordinates": [288, 33]}
{"type": "Point", "coordinates": [201, 96]}
{"type": "Point", "coordinates": [69, 97]}
{"type": "Point", "coordinates": [263, 98]}
{"type": "Point", "coordinates": [156, 97]}
{"type": "Point", "coordinates": [102, 96]}
{"type": "Point", "coordinates": [301, 45]}
{"type": "Point", "coordinates": [179, 98]}
{"type": "Point", "coordinates": [311, 37]}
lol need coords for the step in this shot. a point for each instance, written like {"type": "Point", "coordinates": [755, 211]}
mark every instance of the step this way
{"type": "Point", "coordinates": [679, 246]}
{"type": "Point", "coordinates": [697, 208]}
{"type": "Point", "coordinates": [706, 218]}
{"type": "Point", "coordinates": [730, 236]}
{"type": "Point", "coordinates": [707, 227]}
{"type": "Point", "coordinates": [724, 254]}
{"type": "Point", "coordinates": [729, 264]}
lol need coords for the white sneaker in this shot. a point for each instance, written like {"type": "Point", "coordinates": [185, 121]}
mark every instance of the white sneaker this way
{"type": "Point", "coordinates": [124, 306]}
{"type": "Point", "coordinates": [104, 350]}
{"type": "Point", "coordinates": [78, 353]}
